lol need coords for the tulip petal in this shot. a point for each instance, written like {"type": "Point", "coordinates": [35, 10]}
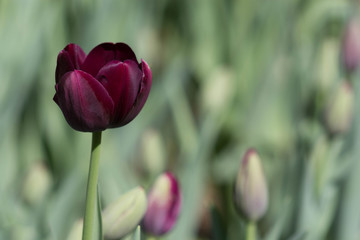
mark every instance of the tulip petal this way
{"type": "Point", "coordinates": [122, 81]}
{"type": "Point", "coordinates": [85, 103]}
{"type": "Point", "coordinates": [164, 204]}
{"type": "Point", "coordinates": [105, 53]}
{"type": "Point", "coordinates": [175, 204]}
{"type": "Point", "coordinates": [143, 93]}
{"type": "Point", "coordinates": [69, 59]}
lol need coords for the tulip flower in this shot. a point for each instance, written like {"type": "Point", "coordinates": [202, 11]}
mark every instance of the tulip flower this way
{"type": "Point", "coordinates": [105, 89]}
{"type": "Point", "coordinates": [351, 46]}
{"type": "Point", "coordinates": [340, 110]}
{"type": "Point", "coordinates": [164, 204]}
{"type": "Point", "coordinates": [251, 193]}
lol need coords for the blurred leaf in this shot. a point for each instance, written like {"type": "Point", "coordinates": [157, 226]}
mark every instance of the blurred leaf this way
{"type": "Point", "coordinates": [217, 230]}
{"type": "Point", "coordinates": [137, 233]}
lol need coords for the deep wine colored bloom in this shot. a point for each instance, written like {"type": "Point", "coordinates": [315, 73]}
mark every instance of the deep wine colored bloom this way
{"type": "Point", "coordinates": [105, 89]}
{"type": "Point", "coordinates": [164, 204]}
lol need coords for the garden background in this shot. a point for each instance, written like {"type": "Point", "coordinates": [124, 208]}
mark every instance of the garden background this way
{"type": "Point", "coordinates": [227, 75]}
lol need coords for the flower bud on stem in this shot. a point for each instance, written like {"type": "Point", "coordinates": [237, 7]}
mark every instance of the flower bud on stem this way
{"type": "Point", "coordinates": [251, 192]}
{"type": "Point", "coordinates": [123, 215]}
{"type": "Point", "coordinates": [164, 205]}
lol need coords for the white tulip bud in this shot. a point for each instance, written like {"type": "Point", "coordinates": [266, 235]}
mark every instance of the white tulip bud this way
{"type": "Point", "coordinates": [251, 192]}
{"type": "Point", "coordinates": [123, 215]}
{"type": "Point", "coordinates": [339, 112]}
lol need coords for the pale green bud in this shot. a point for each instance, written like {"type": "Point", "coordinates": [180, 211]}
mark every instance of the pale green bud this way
{"type": "Point", "coordinates": [251, 192]}
{"type": "Point", "coordinates": [153, 159]}
{"type": "Point", "coordinates": [218, 90]}
{"type": "Point", "coordinates": [327, 69]}
{"type": "Point", "coordinates": [37, 183]}
{"type": "Point", "coordinates": [123, 215]}
{"type": "Point", "coordinates": [339, 112]}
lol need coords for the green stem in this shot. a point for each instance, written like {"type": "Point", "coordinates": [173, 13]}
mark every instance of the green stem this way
{"type": "Point", "coordinates": [91, 192]}
{"type": "Point", "coordinates": [251, 231]}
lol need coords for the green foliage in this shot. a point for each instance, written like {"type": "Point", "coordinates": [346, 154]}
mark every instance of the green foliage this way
{"type": "Point", "coordinates": [277, 62]}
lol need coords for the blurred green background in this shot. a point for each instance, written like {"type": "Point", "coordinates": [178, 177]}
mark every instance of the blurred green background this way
{"type": "Point", "coordinates": [227, 75]}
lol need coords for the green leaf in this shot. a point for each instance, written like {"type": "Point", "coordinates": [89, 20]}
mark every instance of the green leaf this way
{"type": "Point", "coordinates": [217, 225]}
{"type": "Point", "coordinates": [137, 233]}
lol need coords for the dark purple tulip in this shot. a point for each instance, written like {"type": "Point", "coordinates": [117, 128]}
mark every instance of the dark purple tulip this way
{"type": "Point", "coordinates": [351, 46]}
{"type": "Point", "coordinates": [105, 89]}
{"type": "Point", "coordinates": [164, 204]}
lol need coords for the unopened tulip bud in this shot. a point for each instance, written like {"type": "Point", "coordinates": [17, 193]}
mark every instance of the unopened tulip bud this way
{"type": "Point", "coordinates": [327, 69]}
{"type": "Point", "coordinates": [351, 46]}
{"type": "Point", "coordinates": [122, 216]}
{"type": "Point", "coordinates": [339, 112]}
{"type": "Point", "coordinates": [153, 153]}
{"type": "Point", "coordinates": [37, 183]}
{"type": "Point", "coordinates": [218, 90]}
{"type": "Point", "coordinates": [164, 204]}
{"type": "Point", "coordinates": [251, 193]}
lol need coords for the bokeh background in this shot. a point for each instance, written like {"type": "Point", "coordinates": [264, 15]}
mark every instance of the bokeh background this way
{"type": "Point", "coordinates": [227, 75]}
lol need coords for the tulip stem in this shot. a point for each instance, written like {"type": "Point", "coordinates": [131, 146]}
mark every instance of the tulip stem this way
{"type": "Point", "coordinates": [91, 192]}
{"type": "Point", "coordinates": [251, 230]}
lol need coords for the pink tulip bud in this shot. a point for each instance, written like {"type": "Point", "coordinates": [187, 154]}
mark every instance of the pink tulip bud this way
{"type": "Point", "coordinates": [164, 204]}
{"type": "Point", "coordinates": [351, 46]}
{"type": "Point", "coordinates": [251, 193]}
